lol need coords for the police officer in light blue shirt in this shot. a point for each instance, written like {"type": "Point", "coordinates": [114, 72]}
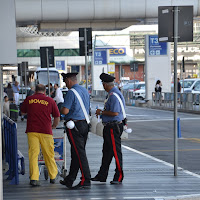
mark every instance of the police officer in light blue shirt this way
{"type": "Point", "coordinates": [112, 117]}
{"type": "Point", "coordinates": [112, 104]}
{"type": "Point", "coordinates": [78, 135]}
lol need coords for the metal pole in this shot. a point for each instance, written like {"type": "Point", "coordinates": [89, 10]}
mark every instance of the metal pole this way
{"type": "Point", "coordinates": [146, 70]}
{"type": "Point", "coordinates": [25, 79]}
{"type": "Point", "coordinates": [86, 63]}
{"type": "Point", "coordinates": [134, 75]}
{"type": "Point", "coordinates": [120, 72]}
{"type": "Point", "coordinates": [175, 89]}
{"type": "Point", "coordinates": [21, 80]}
{"type": "Point", "coordinates": [47, 53]}
{"type": "Point", "coordinates": [1, 172]}
{"type": "Point", "coordinates": [92, 67]}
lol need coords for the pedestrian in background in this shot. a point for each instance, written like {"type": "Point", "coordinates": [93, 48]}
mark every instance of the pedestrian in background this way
{"type": "Point", "coordinates": [112, 117]}
{"type": "Point", "coordinates": [31, 91]}
{"type": "Point", "coordinates": [39, 109]}
{"type": "Point", "coordinates": [158, 92]}
{"type": "Point", "coordinates": [52, 94]}
{"type": "Point", "coordinates": [6, 106]}
{"type": "Point", "coordinates": [16, 89]}
{"type": "Point", "coordinates": [178, 89]}
{"type": "Point", "coordinates": [58, 96]}
{"type": "Point", "coordinates": [79, 134]}
{"type": "Point", "coordinates": [178, 85]}
{"type": "Point", "coordinates": [9, 92]}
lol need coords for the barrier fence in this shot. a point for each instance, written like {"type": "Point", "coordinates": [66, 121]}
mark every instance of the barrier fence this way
{"type": "Point", "coordinates": [186, 101]}
{"type": "Point", "coordinates": [13, 157]}
{"type": "Point", "coordinates": [100, 95]}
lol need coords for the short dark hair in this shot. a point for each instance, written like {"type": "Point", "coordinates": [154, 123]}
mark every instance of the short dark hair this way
{"type": "Point", "coordinates": [73, 78]}
{"type": "Point", "coordinates": [56, 84]}
{"type": "Point", "coordinates": [40, 88]}
{"type": "Point", "coordinates": [9, 85]}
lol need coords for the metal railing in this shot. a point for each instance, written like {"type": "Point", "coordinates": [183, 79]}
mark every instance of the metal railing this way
{"type": "Point", "coordinates": [100, 95]}
{"type": "Point", "coordinates": [13, 157]}
{"type": "Point", "coordinates": [185, 101]}
{"type": "Point", "coordinates": [164, 100]}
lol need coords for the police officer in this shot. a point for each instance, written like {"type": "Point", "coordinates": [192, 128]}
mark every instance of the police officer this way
{"type": "Point", "coordinates": [112, 117]}
{"type": "Point", "coordinates": [78, 135]}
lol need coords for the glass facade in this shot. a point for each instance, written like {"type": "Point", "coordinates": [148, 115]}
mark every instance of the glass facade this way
{"type": "Point", "coordinates": [57, 52]}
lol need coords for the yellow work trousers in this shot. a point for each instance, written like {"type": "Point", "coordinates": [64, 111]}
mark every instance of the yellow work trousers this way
{"type": "Point", "coordinates": [35, 140]}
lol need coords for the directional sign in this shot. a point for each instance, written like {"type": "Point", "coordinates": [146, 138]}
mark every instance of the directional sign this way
{"type": "Point", "coordinates": [156, 48]}
{"type": "Point", "coordinates": [60, 64]}
{"type": "Point", "coordinates": [100, 57]}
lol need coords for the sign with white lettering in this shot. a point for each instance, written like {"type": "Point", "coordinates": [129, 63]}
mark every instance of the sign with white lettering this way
{"type": "Point", "coordinates": [100, 57]}
{"type": "Point", "coordinates": [115, 51]}
{"type": "Point", "coordinates": [60, 64]}
{"type": "Point", "coordinates": [156, 48]}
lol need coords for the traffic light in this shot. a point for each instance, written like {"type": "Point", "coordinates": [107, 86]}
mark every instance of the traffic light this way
{"type": "Point", "coordinates": [82, 41]}
{"type": "Point", "coordinates": [43, 56]}
{"type": "Point", "coordinates": [134, 66]}
{"type": "Point", "coordinates": [19, 69]}
{"type": "Point", "coordinates": [183, 64]}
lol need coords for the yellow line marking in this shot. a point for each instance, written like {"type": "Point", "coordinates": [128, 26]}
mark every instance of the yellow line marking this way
{"type": "Point", "coordinates": [197, 140]}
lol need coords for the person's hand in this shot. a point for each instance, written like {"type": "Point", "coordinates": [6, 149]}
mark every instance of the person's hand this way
{"type": "Point", "coordinates": [53, 127]}
{"type": "Point", "coordinates": [98, 112]}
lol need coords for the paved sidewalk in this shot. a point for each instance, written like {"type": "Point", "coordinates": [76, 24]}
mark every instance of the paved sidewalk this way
{"type": "Point", "coordinates": [144, 178]}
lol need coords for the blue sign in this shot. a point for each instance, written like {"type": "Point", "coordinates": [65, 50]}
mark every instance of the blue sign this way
{"type": "Point", "coordinates": [100, 57]}
{"type": "Point", "coordinates": [156, 48]}
{"type": "Point", "coordinates": [60, 64]}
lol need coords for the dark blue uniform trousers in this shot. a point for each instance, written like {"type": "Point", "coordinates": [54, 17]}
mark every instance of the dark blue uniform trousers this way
{"type": "Point", "coordinates": [77, 139]}
{"type": "Point", "coordinates": [112, 148]}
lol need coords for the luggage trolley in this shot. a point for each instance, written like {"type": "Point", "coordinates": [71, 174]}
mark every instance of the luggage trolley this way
{"type": "Point", "coordinates": [60, 156]}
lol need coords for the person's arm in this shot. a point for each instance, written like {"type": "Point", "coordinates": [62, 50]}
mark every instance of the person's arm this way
{"type": "Point", "coordinates": [56, 121]}
{"type": "Point", "coordinates": [64, 111]}
{"type": "Point", "coordinates": [106, 112]}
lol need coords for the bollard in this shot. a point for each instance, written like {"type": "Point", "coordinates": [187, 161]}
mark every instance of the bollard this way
{"type": "Point", "coordinates": [178, 128]}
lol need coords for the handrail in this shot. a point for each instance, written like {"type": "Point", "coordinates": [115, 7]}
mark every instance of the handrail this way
{"type": "Point", "coordinates": [185, 101]}
{"type": "Point", "coordinates": [165, 100]}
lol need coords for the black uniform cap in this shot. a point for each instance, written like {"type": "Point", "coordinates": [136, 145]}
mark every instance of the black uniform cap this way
{"type": "Point", "coordinates": [68, 75]}
{"type": "Point", "coordinates": [106, 78]}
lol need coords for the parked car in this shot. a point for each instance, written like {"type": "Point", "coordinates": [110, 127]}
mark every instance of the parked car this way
{"type": "Point", "coordinates": [130, 86]}
{"type": "Point", "coordinates": [123, 81]}
{"type": "Point", "coordinates": [190, 85]}
{"type": "Point", "coordinates": [139, 92]}
{"type": "Point", "coordinates": [134, 81]}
